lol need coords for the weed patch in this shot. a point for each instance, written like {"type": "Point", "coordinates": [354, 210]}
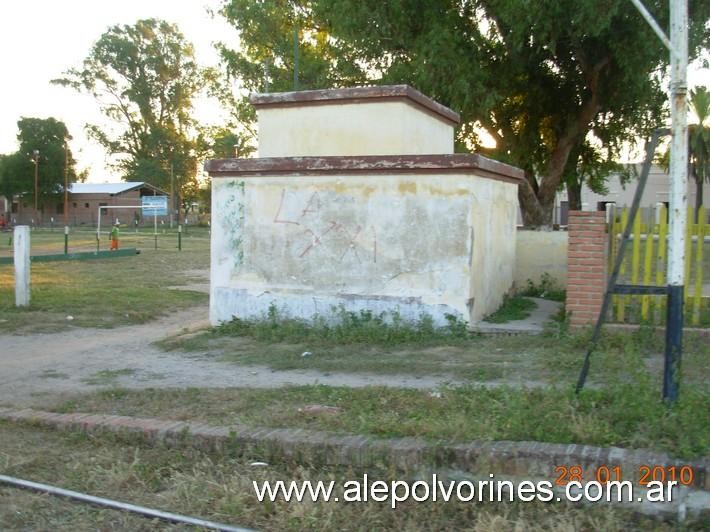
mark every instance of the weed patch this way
{"type": "Point", "coordinates": [513, 308]}
{"type": "Point", "coordinates": [547, 288]}
{"type": "Point", "coordinates": [345, 327]}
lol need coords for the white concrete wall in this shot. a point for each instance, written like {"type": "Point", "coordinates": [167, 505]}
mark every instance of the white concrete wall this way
{"type": "Point", "coordinates": [494, 209]}
{"type": "Point", "coordinates": [540, 252]}
{"type": "Point", "coordinates": [367, 128]}
{"type": "Point", "coordinates": [426, 243]}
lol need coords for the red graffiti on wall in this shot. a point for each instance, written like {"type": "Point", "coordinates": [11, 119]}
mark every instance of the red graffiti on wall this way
{"type": "Point", "coordinates": [317, 239]}
{"type": "Point", "coordinates": [277, 219]}
{"type": "Point", "coordinates": [317, 236]}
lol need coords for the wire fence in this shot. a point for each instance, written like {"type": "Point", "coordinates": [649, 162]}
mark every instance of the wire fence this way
{"type": "Point", "coordinates": [49, 242]}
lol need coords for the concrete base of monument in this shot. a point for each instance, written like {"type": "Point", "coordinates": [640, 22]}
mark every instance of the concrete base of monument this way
{"type": "Point", "coordinates": [227, 303]}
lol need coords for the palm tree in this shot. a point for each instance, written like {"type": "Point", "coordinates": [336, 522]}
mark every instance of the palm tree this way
{"type": "Point", "coordinates": [699, 143]}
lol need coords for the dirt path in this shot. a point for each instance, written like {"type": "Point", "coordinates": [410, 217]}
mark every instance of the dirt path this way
{"type": "Point", "coordinates": [36, 367]}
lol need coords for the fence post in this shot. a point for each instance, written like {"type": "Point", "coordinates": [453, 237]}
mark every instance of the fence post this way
{"type": "Point", "coordinates": [622, 299]}
{"type": "Point", "coordinates": [698, 289]}
{"type": "Point", "coordinates": [586, 266]}
{"type": "Point", "coordinates": [22, 265]}
{"type": "Point", "coordinates": [661, 255]}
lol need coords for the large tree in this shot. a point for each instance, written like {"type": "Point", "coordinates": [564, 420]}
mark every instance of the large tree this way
{"type": "Point", "coordinates": [144, 77]}
{"type": "Point", "coordinates": [42, 141]}
{"type": "Point", "coordinates": [558, 84]}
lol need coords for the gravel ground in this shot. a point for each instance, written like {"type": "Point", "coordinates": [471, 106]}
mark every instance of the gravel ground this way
{"type": "Point", "coordinates": [39, 366]}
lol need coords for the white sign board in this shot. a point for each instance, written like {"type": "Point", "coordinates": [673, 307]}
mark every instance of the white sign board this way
{"type": "Point", "coordinates": [154, 205]}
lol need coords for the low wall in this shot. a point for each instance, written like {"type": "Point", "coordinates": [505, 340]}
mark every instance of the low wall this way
{"type": "Point", "coordinates": [538, 253]}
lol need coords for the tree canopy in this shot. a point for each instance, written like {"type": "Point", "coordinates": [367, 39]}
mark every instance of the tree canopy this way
{"type": "Point", "coordinates": [144, 77]}
{"type": "Point", "coordinates": [558, 84]}
{"type": "Point", "coordinates": [48, 136]}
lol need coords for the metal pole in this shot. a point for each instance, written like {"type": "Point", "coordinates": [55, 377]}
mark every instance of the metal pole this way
{"type": "Point", "coordinates": [172, 194]}
{"type": "Point", "coordinates": [98, 231]}
{"type": "Point", "coordinates": [652, 22]}
{"type": "Point", "coordinates": [678, 197]}
{"type": "Point", "coordinates": [66, 240]}
{"type": "Point", "coordinates": [180, 237]}
{"type": "Point", "coordinates": [611, 284]}
{"type": "Point", "coordinates": [118, 505]}
{"type": "Point", "coordinates": [155, 228]}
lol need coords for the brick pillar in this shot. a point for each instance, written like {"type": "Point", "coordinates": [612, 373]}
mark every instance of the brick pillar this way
{"type": "Point", "coordinates": [586, 266]}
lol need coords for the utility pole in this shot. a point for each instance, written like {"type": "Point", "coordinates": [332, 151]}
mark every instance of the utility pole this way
{"type": "Point", "coordinates": [678, 197]}
{"type": "Point", "coordinates": [35, 159]}
{"type": "Point", "coordinates": [678, 46]}
{"type": "Point", "coordinates": [66, 184]}
{"type": "Point", "coordinates": [172, 194]}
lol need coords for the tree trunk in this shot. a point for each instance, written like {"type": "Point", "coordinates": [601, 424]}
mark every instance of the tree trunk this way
{"type": "Point", "coordinates": [698, 197]}
{"type": "Point", "coordinates": [574, 195]}
{"type": "Point", "coordinates": [538, 202]}
{"type": "Point", "coordinates": [535, 213]}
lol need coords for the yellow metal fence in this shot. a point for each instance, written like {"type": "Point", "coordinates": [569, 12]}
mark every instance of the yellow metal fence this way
{"type": "Point", "coordinates": [645, 263]}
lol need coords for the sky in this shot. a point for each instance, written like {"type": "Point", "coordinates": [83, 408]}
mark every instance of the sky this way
{"type": "Point", "coordinates": [40, 39]}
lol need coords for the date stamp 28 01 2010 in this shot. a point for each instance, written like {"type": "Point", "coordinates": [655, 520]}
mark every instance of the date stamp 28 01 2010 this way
{"type": "Point", "coordinates": [684, 475]}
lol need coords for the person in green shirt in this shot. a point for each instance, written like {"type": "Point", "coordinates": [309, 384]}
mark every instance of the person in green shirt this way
{"type": "Point", "coordinates": [114, 236]}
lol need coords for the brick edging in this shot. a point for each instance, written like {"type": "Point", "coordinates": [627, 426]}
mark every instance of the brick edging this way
{"type": "Point", "coordinates": [522, 459]}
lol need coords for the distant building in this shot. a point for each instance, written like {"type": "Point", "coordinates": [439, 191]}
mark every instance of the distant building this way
{"type": "Point", "coordinates": [620, 195]}
{"type": "Point", "coordinates": [83, 205]}
{"type": "Point", "coordinates": [656, 192]}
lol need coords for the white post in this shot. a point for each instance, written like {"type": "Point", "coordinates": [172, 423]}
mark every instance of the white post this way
{"type": "Point", "coordinates": [98, 233]}
{"type": "Point", "coordinates": [678, 197]}
{"type": "Point", "coordinates": [679, 146]}
{"type": "Point", "coordinates": [21, 239]}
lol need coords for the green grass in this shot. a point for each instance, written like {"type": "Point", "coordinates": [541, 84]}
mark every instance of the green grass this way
{"type": "Point", "coordinates": [103, 293]}
{"type": "Point", "coordinates": [621, 414]}
{"type": "Point", "coordinates": [513, 308]}
{"type": "Point", "coordinates": [554, 357]}
{"type": "Point", "coordinates": [108, 376]}
{"type": "Point", "coordinates": [657, 316]}
{"type": "Point", "coordinates": [219, 488]}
